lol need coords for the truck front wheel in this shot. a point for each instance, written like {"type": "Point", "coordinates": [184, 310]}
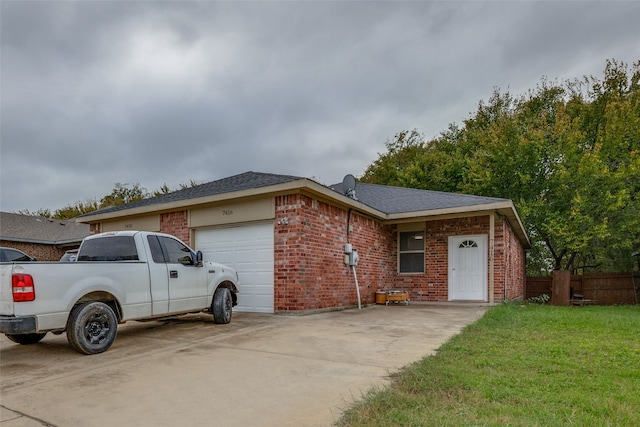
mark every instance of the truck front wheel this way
{"type": "Point", "coordinates": [222, 305]}
{"type": "Point", "coordinates": [92, 327]}
{"type": "Point", "coordinates": [26, 338]}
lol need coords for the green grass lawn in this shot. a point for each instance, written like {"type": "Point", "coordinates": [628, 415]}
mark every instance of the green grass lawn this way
{"type": "Point", "coordinates": [520, 365]}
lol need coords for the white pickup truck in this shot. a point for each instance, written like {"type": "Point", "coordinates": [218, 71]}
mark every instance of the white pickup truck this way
{"type": "Point", "coordinates": [119, 276]}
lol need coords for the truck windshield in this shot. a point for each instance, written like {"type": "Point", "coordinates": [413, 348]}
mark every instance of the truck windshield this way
{"type": "Point", "coordinates": [113, 248]}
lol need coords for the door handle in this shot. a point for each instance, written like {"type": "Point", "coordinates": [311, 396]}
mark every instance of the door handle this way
{"type": "Point", "coordinates": [173, 274]}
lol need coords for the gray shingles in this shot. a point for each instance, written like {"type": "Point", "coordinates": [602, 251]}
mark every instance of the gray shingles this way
{"type": "Point", "coordinates": [244, 181]}
{"type": "Point", "coordinates": [392, 200]}
{"type": "Point", "coordinates": [34, 229]}
{"type": "Point", "coordinates": [384, 198]}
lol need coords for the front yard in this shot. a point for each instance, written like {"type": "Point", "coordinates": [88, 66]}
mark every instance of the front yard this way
{"type": "Point", "coordinates": [520, 365]}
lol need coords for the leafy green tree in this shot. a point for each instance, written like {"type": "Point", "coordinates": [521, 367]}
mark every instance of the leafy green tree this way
{"type": "Point", "coordinates": [122, 194]}
{"type": "Point", "coordinates": [390, 167]}
{"type": "Point", "coordinates": [77, 209]}
{"type": "Point", "coordinates": [567, 155]}
{"type": "Point", "coordinates": [192, 183]}
{"type": "Point", "coordinates": [164, 189]}
{"type": "Point", "coordinates": [42, 212]}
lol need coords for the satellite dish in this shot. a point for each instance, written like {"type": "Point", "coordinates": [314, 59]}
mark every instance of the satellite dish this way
{"type": "Point", "coordinates": [349, 186]}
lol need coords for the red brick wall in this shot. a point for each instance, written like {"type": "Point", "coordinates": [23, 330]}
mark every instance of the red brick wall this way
{"type": "Point", "coordinates": [309, 270]}
{"type": "Point", "coordinates": [176, 224]}
{"type": "Point", "coordinates": [433, 285]}
{"type": "Point", "coordinates": [310, 273]}
{"type": "Point", "coordinates": [501, 255]}
{"type": "Point", "coordinates": [38, 251]}
{"type": "Point", "coordinates": [509, 259]}
{"type": "Point", "coordinates": [509, 265]}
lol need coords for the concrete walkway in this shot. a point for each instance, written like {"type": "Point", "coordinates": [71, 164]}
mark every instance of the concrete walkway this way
{"type": "Point", "coordinates": [259, 370]}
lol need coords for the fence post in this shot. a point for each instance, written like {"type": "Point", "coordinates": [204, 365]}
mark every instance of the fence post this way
{"type": "Point", "coordinates": [560, 287]}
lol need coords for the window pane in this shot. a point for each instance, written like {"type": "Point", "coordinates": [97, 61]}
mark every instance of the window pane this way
{"type": "Point", "coordinates": [412, 241]}
{"type": "Point", "coordinates": [156, 250]}
{"type": "Point", "coordinates": [412, 263]}
{"type": "Point", "coordinates": [177, 252]}
{"type": "Point", "coordinates": [114, 248]}
{"type": "Point", "coordinates": [411, 252]}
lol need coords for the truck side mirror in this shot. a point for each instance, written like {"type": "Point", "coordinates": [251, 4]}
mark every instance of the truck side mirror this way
{"type": "Point", "coordinates": [198, 259]}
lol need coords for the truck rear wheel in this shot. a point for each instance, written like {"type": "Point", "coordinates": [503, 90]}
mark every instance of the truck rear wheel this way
{"type": "Point", "coordinates": [222, 305]}
{"type": "Point", "coordinates": [92, 327]}
{"type": "Point", "coordinates": [26, 338]}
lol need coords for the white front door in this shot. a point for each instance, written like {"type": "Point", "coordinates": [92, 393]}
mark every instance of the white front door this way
{"type": "Point", "coordinates": [468, 268]}
{"type": "Point", "coordinates": [249, 249]}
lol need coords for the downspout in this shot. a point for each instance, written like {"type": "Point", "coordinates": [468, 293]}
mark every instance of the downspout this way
{"type": "Point", "coordinates": [492, 230]}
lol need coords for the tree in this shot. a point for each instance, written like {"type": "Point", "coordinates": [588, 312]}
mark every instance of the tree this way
{"type": "Point", "coordinates": [77, 209]}
{"type": "Point", "coordinates": [390, 167]}
{"type": "Point", "coordinates": [568, 155]}
{"type": "Point", "coordinates": [123, 194]}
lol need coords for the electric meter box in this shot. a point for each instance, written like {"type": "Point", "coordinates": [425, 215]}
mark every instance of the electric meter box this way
{"type": "Point", "coordinates": [353, 257]}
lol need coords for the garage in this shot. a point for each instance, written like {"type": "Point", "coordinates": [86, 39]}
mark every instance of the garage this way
{"type": "Point", "coordinates": [249, 249]}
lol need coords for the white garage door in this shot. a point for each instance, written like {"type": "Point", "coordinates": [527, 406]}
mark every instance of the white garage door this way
{"type": "Point", "coordinates": [248, 249]}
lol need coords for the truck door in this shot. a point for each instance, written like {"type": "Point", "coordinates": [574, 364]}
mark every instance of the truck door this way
{"type": "Point", "coordinates": [187, 283]}
{"type": "Point", "coordinates": [159, 278]}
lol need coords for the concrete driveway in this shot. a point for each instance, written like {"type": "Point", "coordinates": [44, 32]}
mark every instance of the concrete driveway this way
{"type": "Point", "coordinates": [259, 370]}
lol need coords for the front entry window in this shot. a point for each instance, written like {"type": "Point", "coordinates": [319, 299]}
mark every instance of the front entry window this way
{"type": "Point", "coordinates": [411, 252]}
{"type": "Point", "coordinates": [468, 244]}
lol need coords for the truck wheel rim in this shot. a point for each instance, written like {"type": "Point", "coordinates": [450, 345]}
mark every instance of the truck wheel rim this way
{"type": "Point", "coordinates": [97, 328]}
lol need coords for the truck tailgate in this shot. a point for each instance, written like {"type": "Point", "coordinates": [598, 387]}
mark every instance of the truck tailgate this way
{"type": "Point", "coordinates": [6, 294]}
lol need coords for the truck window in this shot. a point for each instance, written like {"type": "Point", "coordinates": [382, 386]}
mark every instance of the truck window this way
{"type": "Point", "coordinates": [177, 253]}
{"type": "Point", "coordinates": [156, 250]}
{"type": "Point", "coordinates": [113, 248]}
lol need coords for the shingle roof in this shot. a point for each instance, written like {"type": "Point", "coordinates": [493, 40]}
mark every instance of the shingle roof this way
{"type": "Point", "coordinates": [392, 200]}
{"type": "Point", "coordinates": [386, 199]}
{"type": "Point", "coordinates": [34, 229]}
{"type": "Point", "coordinates": [243, 181]}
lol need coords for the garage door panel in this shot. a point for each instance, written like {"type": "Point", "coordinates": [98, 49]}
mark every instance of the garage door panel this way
{"type": "Point", "coordinates": [248, 249]}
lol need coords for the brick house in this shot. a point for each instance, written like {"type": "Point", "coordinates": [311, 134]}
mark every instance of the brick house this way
{"type": "Point", "coordinates": [45, 239]}
{"type": "Point", "coordinates": [286, 236]}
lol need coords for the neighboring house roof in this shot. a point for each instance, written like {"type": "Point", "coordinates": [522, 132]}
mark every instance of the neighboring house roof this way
{"type": "Point", "coordinates": [387, 203]}
{"type": "Point", "coordinates": [34, 229]}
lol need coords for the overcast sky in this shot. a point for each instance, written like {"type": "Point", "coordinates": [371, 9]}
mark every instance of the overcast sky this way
{"type": "Point", "coordinates": [99, 92]}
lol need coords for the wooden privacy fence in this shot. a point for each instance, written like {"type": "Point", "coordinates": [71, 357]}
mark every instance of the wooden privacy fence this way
{"type": "Point", "coordinates": [593, 288]}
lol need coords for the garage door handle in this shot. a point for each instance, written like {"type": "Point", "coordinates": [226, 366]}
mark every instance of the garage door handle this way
{"type": "Point", "coordinates": [173, 274]}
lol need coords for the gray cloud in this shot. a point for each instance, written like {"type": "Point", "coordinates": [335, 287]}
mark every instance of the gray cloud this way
{"type": "Point", "coordinates": [95, 93]}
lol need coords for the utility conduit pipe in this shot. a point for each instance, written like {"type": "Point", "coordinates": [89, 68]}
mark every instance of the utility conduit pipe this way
{"type": "Point", "coordinates": [355, 276]}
